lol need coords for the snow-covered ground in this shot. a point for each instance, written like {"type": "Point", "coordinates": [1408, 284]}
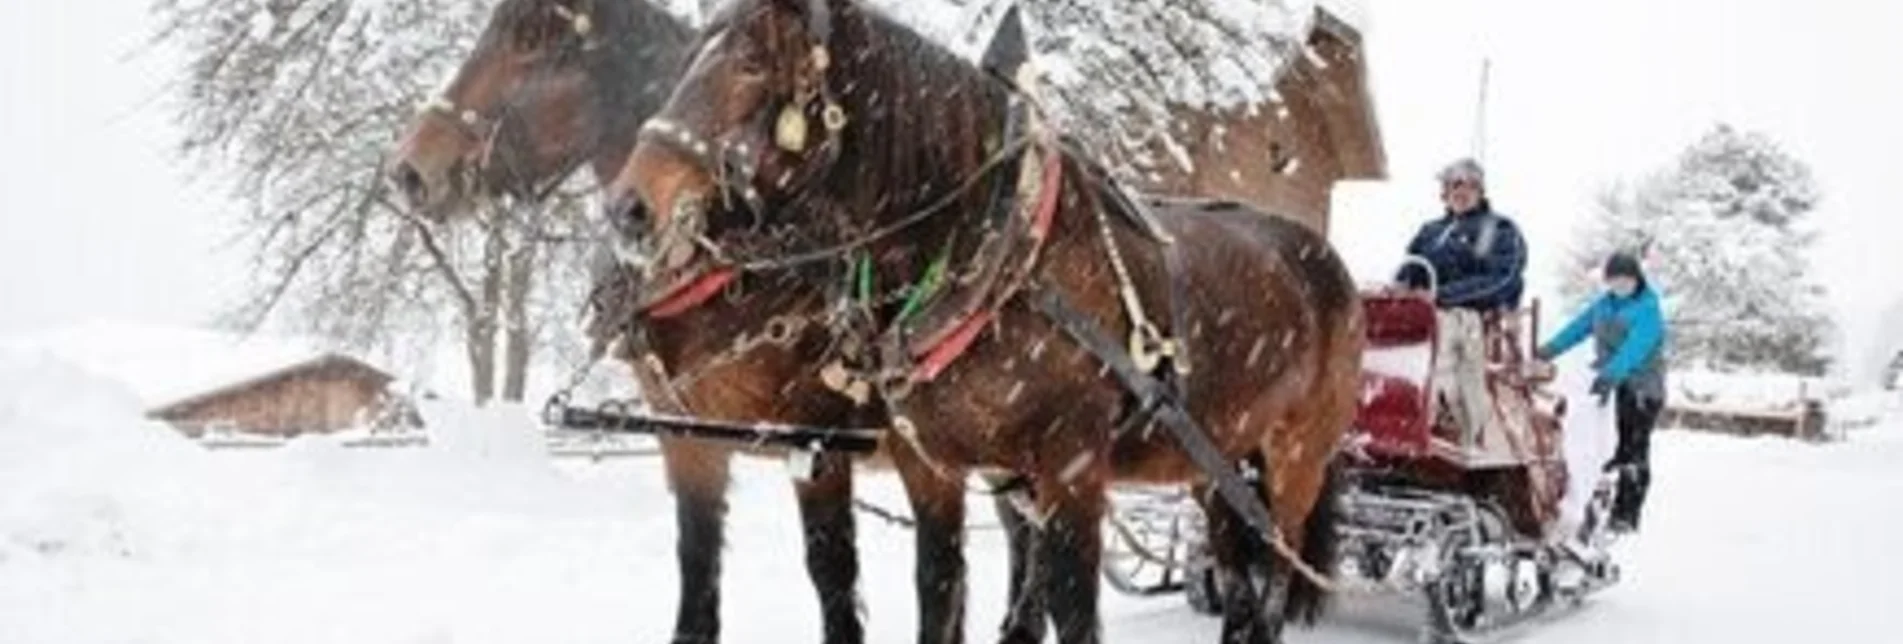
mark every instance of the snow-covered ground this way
{"type": "Point", "coordinates": [114, 529]}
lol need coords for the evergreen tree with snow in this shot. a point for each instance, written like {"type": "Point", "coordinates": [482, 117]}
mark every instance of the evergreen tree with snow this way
{"type": "Point", "coordinates": [1726, 236]}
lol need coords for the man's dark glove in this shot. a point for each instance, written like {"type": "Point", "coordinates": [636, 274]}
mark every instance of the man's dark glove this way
{"type": "Point", "coordinates": [1602, 388]}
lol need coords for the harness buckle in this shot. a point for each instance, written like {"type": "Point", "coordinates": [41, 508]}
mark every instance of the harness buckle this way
{"type": "Point", "coordinates": [1148, 348]}
{"type": "Point", "coordinates": [833, 117]}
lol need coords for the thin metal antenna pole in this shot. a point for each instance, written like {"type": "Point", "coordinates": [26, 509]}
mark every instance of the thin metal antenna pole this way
{"type": "Point", "coordinates": [1480, 114]}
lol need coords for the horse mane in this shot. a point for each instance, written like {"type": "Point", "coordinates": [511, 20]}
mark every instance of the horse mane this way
{"type": "Point", "coordinates": [637, 65]}
{"type": "Point", "coordinates": [924, 114]}
{"type": "Point", "coordinates": [919, 115]}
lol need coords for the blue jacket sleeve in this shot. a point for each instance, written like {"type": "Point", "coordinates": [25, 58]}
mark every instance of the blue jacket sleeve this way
{"type": "Point", "coordinates": [1409, 273]}
{"type": "Point", "coordinates": [1498, 270]}
{"type": "Point", "coordinates": [1575, 331]}
{"type": "Point", "coordinates": [1648, 326]}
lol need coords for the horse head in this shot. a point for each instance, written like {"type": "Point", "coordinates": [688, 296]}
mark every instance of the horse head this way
{"type": "Point", "coordinates": [798, 126]}
{"type": "Point", "coordinates": [550, 85]}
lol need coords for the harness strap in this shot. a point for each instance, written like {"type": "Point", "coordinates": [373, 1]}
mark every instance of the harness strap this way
{"type": "Point", "coordinates": [1179, 324]}
{"type": "Point", "coordinates": [1114, 193]}
{"type": "Point", "coordinates": [1154, 398]}
{"type": "Point", "coordinates": [936, 335]}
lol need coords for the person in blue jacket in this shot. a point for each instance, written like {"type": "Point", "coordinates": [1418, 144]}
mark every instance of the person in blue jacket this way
{"type": "Point", "coordinates": [1478, 254]}
{"type": "Point", "coordinates": [1628, 332]}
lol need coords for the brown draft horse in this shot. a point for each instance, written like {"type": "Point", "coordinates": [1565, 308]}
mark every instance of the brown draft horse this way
{"type": "Point", "coordinates": [969, 251]}
{"type": "Point", "coordinates": [551, 86]}
{"type": "Point", "coordinates": [555, 84]}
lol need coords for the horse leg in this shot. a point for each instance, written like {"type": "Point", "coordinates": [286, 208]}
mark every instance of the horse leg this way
{"type": "Point", "coordinates": [1307, 484]}
{"type": "Point", "coordinates": [832, 561]}
{"type": "Point", "coordinates": [1071, 547]}
{"type": "Point", "coordinates": [1025, 620]}
{"type": "Point", "coordinates": [697, 474]}
{"type": "Point", "coordinates": [1241, 570]}
{"type": "Point", "coordinates": [938, 508]}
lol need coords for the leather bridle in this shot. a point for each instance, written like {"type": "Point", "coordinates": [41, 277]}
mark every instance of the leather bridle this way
{"type": "Point", "coordinates": [491, 131]}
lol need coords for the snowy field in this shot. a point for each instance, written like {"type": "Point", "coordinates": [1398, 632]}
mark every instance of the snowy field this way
{"type": "Point", "coordinates": [114, 529]}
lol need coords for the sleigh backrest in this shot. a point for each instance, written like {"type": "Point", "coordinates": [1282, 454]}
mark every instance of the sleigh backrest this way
{"type": "Point", "coordinates": [1394, 418]}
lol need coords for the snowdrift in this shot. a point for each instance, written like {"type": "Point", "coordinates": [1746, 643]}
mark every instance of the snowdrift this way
{"type": "Point", "coordinates": [117, 529]}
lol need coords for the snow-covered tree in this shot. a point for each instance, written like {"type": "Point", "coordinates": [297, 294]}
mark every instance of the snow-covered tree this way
{"type": "Point", "coordinates": [1116, 72]}
{"type": "Point", "coordinates": [1725, 236]}
{"type": "Point", "coordinates": [294, 102]}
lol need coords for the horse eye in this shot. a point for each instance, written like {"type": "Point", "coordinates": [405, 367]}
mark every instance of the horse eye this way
{"type": "Point", "coordinates": [748, 66]}
{"type": "Point", "coordinates": [537, 34]}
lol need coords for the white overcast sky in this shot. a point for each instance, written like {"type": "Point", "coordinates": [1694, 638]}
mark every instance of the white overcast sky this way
{"type": "Point", "coordinates": [98, 221]}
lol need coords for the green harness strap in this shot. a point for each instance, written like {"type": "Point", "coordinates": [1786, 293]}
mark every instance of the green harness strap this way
{"type": "Point", "coordinates": [916, 294]}
{"type": "Point", "coordinates": [928, 285]}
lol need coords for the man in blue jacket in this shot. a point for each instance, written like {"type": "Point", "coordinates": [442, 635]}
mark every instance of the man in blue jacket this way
{"type": "Point", "coordinates": [1477, 257]}
{"type": "Point", "coordinates": [1478, 254]}
{"type": "Point", "coordinates": [1628, 331]}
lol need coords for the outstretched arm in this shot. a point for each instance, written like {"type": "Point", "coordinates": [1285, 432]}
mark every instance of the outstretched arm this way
{"type": "Point", "coordinates": [1574, 332]}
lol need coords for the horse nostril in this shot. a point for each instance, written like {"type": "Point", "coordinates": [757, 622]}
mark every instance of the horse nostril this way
{"type": "Point", "coordinates": [409, 181]}
{"type": "Point", "coordinates": [626, 213]}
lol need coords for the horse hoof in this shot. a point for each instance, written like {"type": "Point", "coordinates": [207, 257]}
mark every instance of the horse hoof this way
{"type": "Point", "coordinates": [1020, 636]}
{"type": "Point", "coordinates": [855, 638]}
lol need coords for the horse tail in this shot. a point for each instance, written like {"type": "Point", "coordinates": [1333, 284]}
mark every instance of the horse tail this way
{"type": "Point", "coordinates": [1340, 343]}
{"type": "Point", "coordinates": [1321, 540]}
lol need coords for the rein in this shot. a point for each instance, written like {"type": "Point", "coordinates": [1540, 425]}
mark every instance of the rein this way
{"type": "Point", "coordinates": [727, 268]}
{"type": "Point", "coordinates": [916, 217]}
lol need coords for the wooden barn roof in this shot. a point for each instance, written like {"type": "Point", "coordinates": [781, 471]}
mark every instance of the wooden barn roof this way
{"type": "Point", "coordinates": [324, 361]}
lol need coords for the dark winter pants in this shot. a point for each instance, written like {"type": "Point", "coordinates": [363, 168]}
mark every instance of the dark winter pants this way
{"type": "Point", "coordinates": [1636, 415]}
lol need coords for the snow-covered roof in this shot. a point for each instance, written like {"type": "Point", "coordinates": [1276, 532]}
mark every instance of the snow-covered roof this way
{"type": "Point", "coordinates": [1354, 13]}
{"type": "Point", "coordinates": [165, 364]}
{"type": "Point", "coordinates": [327, 360]}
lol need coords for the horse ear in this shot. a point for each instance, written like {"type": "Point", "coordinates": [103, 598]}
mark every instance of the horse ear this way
{"type": "Point", "coordinates": [1009, 49]}
{"type": "Point", "coordinates": [797, 7]}
{"type": "Point", "coordinates": [819, 19]}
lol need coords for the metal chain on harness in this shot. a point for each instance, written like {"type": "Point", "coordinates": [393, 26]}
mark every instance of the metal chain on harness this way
{"type": "Point", "coordinates": [781, 331]}
{"type": "Point", "coordinates": [1148, 347]}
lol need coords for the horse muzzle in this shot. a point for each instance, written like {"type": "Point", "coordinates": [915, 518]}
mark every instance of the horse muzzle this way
{"type": "Point", "coordinates": [685, 270]}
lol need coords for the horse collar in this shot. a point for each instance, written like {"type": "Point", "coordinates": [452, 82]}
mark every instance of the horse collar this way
{"type": "Point", "coordinates": [1003, 265]}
